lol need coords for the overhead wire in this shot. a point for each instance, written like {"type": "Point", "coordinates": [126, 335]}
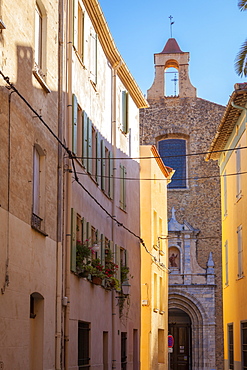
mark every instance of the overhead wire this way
{"type": "Point", "coordinates": [11, 86]}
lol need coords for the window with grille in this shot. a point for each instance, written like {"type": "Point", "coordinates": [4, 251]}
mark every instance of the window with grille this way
{"type": "Point", "coordinates": [230, 347]}
{"type": "Point", "coordinates": [173, 154]}
{"type": "Point", "coordinates": [83, 345]}
{"type": "Point", "coordinates": [244, 344]}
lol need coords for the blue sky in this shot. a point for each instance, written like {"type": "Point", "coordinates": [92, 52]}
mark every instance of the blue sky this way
{"type": "Point", "coordinates": [211, 31]}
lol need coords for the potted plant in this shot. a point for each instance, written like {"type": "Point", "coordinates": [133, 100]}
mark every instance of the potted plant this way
{"type": "Point", "coordinates": [83, 254]}
{"type": "Point", "coordinates": [98, 272]}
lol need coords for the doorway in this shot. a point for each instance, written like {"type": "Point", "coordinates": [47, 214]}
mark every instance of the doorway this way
{"type": "Point", "coordinates": [180, 328]}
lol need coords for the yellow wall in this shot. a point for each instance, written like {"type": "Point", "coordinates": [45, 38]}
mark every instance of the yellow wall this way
{"type": "Point", "coordinates": [233, 216]}
{"type": "Point", "coordinates": [154, 277]}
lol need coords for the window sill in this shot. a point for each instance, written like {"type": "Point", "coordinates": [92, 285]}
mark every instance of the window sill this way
{"type": "Point", "coordinates": [179, 189]}
{"type": "Point", "coordinates": [36, 224]}
{"type": "Point", "coordinates": [37, 74]}
{"type": "Point", "coordinates": [238, 197]}
{"type": "Point", "coordinates": [240, 277]}
{"type": "Point", "coordinates": [79, 58]}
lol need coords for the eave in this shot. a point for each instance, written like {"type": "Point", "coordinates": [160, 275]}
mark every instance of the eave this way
{"type": "Point", "coordinates": [167, 171]}
{"type": "Point", "coordinates": [228, 121]}
{"type": "Point", "coordinates": [101, 28]}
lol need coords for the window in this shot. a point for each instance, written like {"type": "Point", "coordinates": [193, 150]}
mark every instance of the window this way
{"type": "Point", "coordinates": [161, 345]}
{"type": "Point", "coordinates": [238, 171]}
{"type": "Point", "coordinates": [225, 195]}
{"type": "Point", "coordinates": [123, 351]}
{"type": "Point", "coordinates": [161, 240]}
{"type": "Point", "coordinates": [93, 57]}
{"type": "Point", "coordinates": [78, 30]}
{"type": "Point", "coordinates": [38, 36]}
{"type": "Point", "coordinates": [240, 252]}
{"type": "Point", "coordinates": [230, 347]}
{"type": "Point", "coordinates": [83, 345]}
{"type": "Point", "coordinates": [171, 82]}
{"type": "Point", "coordinates": [125, 112]}
{"type": "Point", "coordinates": [123, 174]}
{"type": "Point", "coordinates": [244, 344]}
{"type": "Point", "coordinates": [40, 22]}
{"type": "Point", "coordinates": [38, 188]}
{"type": "Point", "coordinates": [173, 154]}
{"type": "Point", "coordinates": [161, 294]}
{"type": "Point", "coordinates": [105, 350]}
{"type": "Point", "coordinates": [226, 263]}
{"type": "Point", "coordinates": [155, 295]}
{"type": "Point", "coordinates": [155, 235]}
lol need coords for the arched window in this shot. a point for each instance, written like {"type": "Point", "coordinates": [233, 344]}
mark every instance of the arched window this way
{"type": "Point", "coordinates": [171, 82]}
{"type": "Point", "coordinates": [173, 154]}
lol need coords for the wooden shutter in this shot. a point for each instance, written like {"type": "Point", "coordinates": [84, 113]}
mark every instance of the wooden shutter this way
{"type": "Point", "coordinates": [102, 165]}
{"type": "Point", "coordinates": [117, 260]}
{"type": "Point", "coordinates": [102, 237]}
{"type": "Point", "coordinates": [73, 241]}
{"type": "Point", "coordinates": [74, 124]}
{"type": "Point", "coordinates": [98, 156]}
{"type": "Point", "coordinates": [125, 113]}
{"type": "Point", "coordinates": [111, 175]}
{"type": "Point", "coordinates": [89, 147]}
{"type": "Point", "coordinates": [84, 139]}
{"type": "Point", "coordinates": [122, 187]}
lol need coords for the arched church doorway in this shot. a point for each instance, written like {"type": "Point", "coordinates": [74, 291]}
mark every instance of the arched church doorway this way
{"type": "Point", "coordinates": [179, 326]}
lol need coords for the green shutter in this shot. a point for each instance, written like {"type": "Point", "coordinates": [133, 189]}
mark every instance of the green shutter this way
{"type": "Point", "coordinates": [117, 260]}
{"type": "Point", "coordinates": [102, 237]}
{"type": "Point", "coordinates": [84, 229]}
{"type": "Point", "coordinates": [98, 241]}
{"type": "Point", "coordinates": [73, 241]}
{"type": "Point", "coordinates": [98, 156]}
{"type": "Point", "coordinates": [84, 139]}
{"type": "Point", "coordinates": [89, 233]}
{"type": "Point", "coordinates": [74, 123]}
{"type": "Point", "coordinates": [110, 175]}
{"type": "Point", "coordinates": [122, 187]}
{"type": "Point", "coordinates": [102, 165]}
{"type": "Point", "coordinates": [90, 147]}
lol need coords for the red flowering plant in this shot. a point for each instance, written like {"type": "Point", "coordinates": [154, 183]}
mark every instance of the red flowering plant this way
{"type": "Point", "coordinates": [98, 269]}
{"type": "Point", "coordinates": [110, 271]}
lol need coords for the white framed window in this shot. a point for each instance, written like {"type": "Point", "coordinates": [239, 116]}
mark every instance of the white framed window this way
{"type": "Point", "coordinates": [38, 36]}
{"type": "Point", "coordinates": [93, 56]}
{"type": "Point", "coordinates": [78, 29]}
{"type": "Point", "coordinates": [240, 252]}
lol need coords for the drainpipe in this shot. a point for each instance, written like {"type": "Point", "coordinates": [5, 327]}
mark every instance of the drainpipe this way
{"type": "Point", "coordinates": [114, 151]}
{"type": "Point", "coordinates": [238, 107]}
{"type": "Point", "coordinates": [59, 271]}
{"type": "Point", "coordinates": [68, 179]}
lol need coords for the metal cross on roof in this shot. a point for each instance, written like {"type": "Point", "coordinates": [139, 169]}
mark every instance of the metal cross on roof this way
{"type": "Point", "coordinates": [171, 23]}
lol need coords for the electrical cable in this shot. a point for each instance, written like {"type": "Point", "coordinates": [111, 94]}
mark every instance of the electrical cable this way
{"type": "Point", "coordinates": [6, 79]}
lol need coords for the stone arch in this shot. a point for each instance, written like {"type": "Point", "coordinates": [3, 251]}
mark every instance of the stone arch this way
{"type": "Point", "coordinates": [202, 327]}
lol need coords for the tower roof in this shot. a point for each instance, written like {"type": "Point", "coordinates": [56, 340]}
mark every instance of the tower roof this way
{"type": "Point", "coordinates": [171, 47]}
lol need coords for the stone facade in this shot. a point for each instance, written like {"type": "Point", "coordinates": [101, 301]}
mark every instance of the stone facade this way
{"type": "Point", "coordinates": [195, 120]}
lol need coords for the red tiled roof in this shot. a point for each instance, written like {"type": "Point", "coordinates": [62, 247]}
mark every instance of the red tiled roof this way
{"type": "Point", "coordinates": [171, 47]}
